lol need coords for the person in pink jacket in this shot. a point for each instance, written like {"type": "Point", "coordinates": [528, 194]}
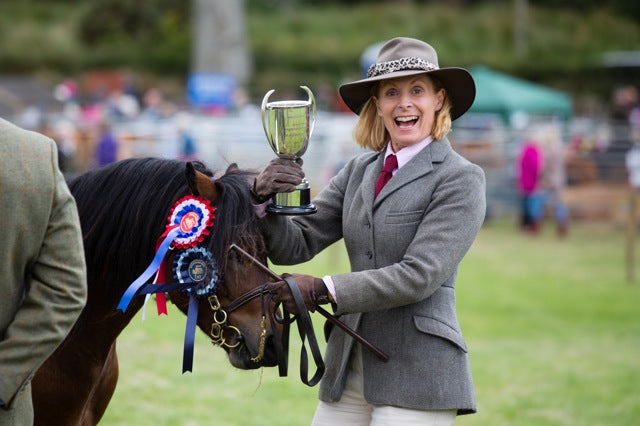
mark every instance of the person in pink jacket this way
{"type": "Point", "coordinates": [529, 164]}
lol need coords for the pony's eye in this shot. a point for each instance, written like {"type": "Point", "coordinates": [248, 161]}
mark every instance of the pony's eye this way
{"type": "Point", "coordinates": [234, 256]}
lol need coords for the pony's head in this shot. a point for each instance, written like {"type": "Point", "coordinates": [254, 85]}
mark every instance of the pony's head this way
{"type": "Point", "coordinates": [123, 210]}
{"type": "Point", "coordinates": [240, 328]}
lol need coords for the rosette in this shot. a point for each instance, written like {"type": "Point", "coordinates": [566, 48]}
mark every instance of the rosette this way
{"type": "Point", "coordinates": [196, 265]}
{"type": "Point", "coordinates": [188, 224]}
{"type": "Point", "coordinates": [194, 216]}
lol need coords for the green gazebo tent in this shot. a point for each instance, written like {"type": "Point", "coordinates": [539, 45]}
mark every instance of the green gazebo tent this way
{"type": "Point", "coordinates": [505, 95]}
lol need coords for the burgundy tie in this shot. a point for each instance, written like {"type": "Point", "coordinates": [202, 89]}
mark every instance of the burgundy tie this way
{"type": "Point", "coordinates": [390, 164]}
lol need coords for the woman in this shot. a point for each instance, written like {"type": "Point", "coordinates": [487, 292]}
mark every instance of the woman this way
{"type": "Point", "coordinates": [404, 245]}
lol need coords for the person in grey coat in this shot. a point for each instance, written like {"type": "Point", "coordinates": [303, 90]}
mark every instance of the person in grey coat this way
{"type": "Point", "coordinates": [408, 212]}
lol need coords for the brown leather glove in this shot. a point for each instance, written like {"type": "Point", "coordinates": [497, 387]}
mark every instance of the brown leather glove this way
{"type": "Point", "coordinates": [313, 291]}
{"type": "Point", "coordinates": [280, 175]}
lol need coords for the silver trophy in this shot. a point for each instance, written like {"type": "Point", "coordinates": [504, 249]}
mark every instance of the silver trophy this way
{"type": "Point", "coordinates": [288, 126]}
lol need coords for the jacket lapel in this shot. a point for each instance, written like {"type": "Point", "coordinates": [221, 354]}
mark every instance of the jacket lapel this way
{"type": "Point", "coordinates": [369, 183]}
{"type": "Point", "coordinates": [420, 165]}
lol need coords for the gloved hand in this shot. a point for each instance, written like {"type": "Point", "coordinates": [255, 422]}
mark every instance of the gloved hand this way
{"type": "Point", "coordinates": [313, 291]}
{"type": "Point", "coordinates": [280, 175]}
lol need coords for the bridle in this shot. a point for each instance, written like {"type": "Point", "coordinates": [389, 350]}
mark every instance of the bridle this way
{"type": "Point", "coordinates": [219, 325]}
{"type": "Point", "coordinates": [218, 338]}
{"type": "Point", "coordinates": [305, 326]}
{"type": "Point", "coordinates": [303, 320]}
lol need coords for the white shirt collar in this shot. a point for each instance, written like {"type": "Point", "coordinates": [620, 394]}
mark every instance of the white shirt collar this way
{"type": "Point", "coordinates": [405, 155]}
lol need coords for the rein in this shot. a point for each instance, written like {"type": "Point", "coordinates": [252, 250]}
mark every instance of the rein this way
{"type": "Point", "coordinates": [305, 326]}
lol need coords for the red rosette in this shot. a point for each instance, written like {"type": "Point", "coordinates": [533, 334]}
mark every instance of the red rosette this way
{"type": "Point", "coordinates": [194, 216]}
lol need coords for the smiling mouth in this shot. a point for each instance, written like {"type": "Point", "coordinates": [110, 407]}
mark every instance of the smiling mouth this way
{"type": "Point", "coordinates": [406, 122]}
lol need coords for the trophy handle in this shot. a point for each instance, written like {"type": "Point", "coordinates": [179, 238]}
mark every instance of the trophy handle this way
{"type": "Point", "coordinates": [264, 113]}
{"type": "Point", "coordinates": [312, 100]}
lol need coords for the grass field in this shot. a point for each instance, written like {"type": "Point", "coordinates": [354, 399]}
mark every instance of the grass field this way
{"type": "Point", "coordinates": [552, 325]}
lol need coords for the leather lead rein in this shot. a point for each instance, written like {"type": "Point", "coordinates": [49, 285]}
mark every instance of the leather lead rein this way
{"type": "Point", "coordinates": [306, 330]}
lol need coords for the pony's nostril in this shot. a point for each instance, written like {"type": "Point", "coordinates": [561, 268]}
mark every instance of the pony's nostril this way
{"type": "Point", "coordinates": [237, 340]}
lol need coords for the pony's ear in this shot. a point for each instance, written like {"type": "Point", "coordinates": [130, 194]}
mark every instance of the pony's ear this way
{"type": "Point", "coordinates": [201, 184]}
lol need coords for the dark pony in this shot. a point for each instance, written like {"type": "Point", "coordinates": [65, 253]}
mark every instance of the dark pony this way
{"type": "Point", "coordinates": [123, 210]}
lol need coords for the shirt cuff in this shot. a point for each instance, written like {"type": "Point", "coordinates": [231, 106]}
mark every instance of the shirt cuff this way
{"type": "Point", "coordinates": [330, 286]}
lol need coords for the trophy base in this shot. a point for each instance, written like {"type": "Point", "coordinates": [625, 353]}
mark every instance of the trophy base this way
{"type": "Point", "coordinates": [295, 203]}
{"type": "Point", "coordinates": [292, 210]}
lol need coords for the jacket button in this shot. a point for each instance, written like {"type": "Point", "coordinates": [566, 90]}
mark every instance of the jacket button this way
{"type": "Point", "coordinates": [369, 254]}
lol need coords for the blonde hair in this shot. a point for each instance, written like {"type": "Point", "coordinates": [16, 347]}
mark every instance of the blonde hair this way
{"type": "Point", "coordinates": [369, 131]}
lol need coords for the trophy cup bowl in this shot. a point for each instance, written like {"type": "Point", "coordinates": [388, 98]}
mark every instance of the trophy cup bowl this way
{"type": "Point", "coordinates": [288, 126]}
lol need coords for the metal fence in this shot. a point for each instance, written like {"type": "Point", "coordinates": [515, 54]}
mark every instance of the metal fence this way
{"type": "Point", "coordinates": [594, 151]}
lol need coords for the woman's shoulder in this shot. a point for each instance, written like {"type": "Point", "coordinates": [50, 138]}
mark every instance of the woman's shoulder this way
{"type": "Point", "coordinates": [362, 159]}
{"type": "Point", "coordinates": [354, 168]}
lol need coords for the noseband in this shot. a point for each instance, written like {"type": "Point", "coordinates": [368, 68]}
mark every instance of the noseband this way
{"type": "Point", "coordinates": [220, 324]}
{"type": "Point", "coordinates": [259, 291]}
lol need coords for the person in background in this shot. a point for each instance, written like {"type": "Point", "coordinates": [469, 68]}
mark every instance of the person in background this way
{"type": "Point", "coordinates": [187, 143]}
{"type": "Point", "coordinates": [554, 177]}
{"type": "Point", "coordinates": [408, 212]}
{"type": "Point", "coordinates": [42, 267]}
{"type": "Point", "coordinates": [529, 168]}
{"type": "Point", "coordinates": [107, 147]}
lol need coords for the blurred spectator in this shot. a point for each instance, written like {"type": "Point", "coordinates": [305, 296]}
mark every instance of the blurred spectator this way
{"type": "Point", "coordinates": [632, 161]}
{"type": "Point", "coordinates": [122, 106]}
{"type": "Point", "coordinates": [67, 91]}
{"type": "Point", "coordinates": [624, 100]}
{"type": "Point", "coordinates": [187, 146]}
{"type": "Point", "coordinates": [188, 149]}
{"type": "Point", "coordinates": [529, 168]}
{"type": "Point", "coordinates": [65, 134]}
{"type": "Point", "coordinates": [554, 177]}
{"type": "Point", "coordinates": [107, 148]}
{"type": "Point", "coordinates": [154, 105]}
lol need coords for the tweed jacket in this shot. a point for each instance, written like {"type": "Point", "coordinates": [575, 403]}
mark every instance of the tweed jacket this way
{"type": "Point", "coordinates": [404, 249]}
{"type": "Point", "coordinates": [42, 269]}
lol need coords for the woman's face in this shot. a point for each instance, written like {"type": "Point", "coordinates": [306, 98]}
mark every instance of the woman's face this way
{"type": "Point", "coordinates": [408, 106]}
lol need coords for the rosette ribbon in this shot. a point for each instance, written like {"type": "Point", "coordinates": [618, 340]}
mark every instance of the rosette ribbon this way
{"type": "Point", "coordinates": [190, 334]}
{"type": "Point", "coordinates": [194, 266]}
{"type": "Point", "coordinates": [188, 224]}
{"type": "Point", "coordinates": [153, 267]}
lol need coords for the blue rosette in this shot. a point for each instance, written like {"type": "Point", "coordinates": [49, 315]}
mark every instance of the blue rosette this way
{"type": "Point", "coordinates": [196, 265]}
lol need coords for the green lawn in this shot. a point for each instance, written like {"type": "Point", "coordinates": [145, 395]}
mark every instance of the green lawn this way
{"type": "Point", "coordinates": [552, 325]}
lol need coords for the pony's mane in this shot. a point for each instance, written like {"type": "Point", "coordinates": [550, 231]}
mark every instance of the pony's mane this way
{"type": "Point", "coordinates": [123, 210]}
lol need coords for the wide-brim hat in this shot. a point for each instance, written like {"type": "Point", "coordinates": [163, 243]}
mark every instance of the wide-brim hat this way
{"type": "Point", "coordinates": [402, 56]}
